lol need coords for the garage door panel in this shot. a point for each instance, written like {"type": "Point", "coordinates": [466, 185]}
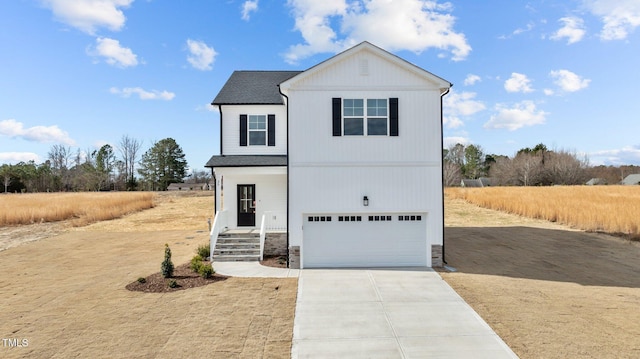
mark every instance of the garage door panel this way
{"type": "Point", "coordinates": [364, 243]}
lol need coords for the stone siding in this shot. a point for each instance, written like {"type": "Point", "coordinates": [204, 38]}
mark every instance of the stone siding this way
{"type": "Point", "coordinates": [436, 255]}
{"type": "Point", "coordinates": [275, 244]}
{"type": "Point", "coordinates": [294, 257]}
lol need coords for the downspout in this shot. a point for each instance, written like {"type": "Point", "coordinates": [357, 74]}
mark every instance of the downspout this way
{"type": "Point", "coordinates": [287, 105]}
{"type": "Point", "coordinates": [442, 168]}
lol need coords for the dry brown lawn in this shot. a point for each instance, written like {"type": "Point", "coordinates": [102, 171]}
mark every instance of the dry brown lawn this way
{"type": "Point", "coordinates": [66, 294]}
{"type": "Point", "coordinates": [547, 290]}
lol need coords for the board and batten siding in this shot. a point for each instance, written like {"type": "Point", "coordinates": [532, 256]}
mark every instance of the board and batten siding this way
{"type": "Point", "coordinates": [332, 174]}
{"type": "Point", "coordinates": [271, 189]}
{"type": "Point", "coordinates": [231, 129]}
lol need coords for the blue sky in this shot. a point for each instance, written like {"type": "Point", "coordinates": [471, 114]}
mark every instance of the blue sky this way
{"type": "Point", "coordinates": [84, 73]}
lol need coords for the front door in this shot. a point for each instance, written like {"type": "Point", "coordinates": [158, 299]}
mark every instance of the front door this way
{"type": "Point", "coordinates": [246, 205]}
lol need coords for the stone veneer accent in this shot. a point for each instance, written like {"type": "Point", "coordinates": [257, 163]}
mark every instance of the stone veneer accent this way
{"type": "Point", "coordinates": [436, 255]}
{"type": "Point", "coordinates": [294, 257]}
{"type": "Point", "coordinates": [275, 244]}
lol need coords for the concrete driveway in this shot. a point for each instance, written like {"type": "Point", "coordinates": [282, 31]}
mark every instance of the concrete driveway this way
{"type": "Point", "coordinates": [387, 313]}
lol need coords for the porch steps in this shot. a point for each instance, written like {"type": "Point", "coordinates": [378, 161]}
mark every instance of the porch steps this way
{"type": "Point", "coordinates": [237, 247]}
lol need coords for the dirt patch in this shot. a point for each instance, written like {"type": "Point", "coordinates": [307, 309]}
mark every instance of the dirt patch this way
{"type": "Point", "coordinates": [184, 278]}
{"type": "Point", "coordinates": [274, 261]}
{"type": "Point", "coordinates": [547, 290]}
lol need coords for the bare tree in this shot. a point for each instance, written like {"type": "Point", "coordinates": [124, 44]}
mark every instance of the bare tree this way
{"type": "Point", "coordinates": [129, 149]}
{"type": "Point", "coordinates": [452, 175]}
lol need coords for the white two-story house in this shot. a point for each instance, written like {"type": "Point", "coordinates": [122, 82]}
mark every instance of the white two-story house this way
{"type": "Point", "coordinates": [344, 158]}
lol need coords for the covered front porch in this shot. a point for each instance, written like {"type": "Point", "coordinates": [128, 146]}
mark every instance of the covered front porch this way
{"type": "Point", "coordinates": [250, 207]}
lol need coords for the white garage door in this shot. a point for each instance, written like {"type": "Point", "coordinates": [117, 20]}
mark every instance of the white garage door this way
{"type": "Point", "coordinates": [364, 240]}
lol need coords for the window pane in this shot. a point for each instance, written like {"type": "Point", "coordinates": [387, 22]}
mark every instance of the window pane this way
{"type": "Point", "coordinates": [353, 127]}
{"type": "Point", "coordinates": [376, 107]}
{"type": "Point", "coordinates": [353, 107]}
{"type": "Point", "coordinates": [377, 126]}
{"type": "Point", "coordinates": [257, 138]}
{"type": "Point", "coordinates": [257, 122]}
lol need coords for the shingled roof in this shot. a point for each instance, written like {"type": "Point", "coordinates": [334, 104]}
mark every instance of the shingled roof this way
{"type": "Point", "coordinates": [253, 88]}
{"type": "Point", "coordinates": [247, 161]}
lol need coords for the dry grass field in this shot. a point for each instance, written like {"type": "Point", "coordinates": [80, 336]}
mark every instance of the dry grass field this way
{"type": "Point", "coordinates": [82, 208]}
{"type": "Point", "coordinates": [609, 209]}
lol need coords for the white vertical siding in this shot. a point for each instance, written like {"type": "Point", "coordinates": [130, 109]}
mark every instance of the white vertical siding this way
{"type": "Point", "coordinates": [398, 174]}
{"type": "Point", "coordinates": [231, 129]}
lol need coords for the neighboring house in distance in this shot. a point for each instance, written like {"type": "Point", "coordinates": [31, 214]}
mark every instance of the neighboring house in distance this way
{"type": "Point", "coordinates": [596, 182]}
{"type": "Point", "coordinates": [479, 182]}
{"type": "Point", "coordinates": [631, 180]}
{"type": "Point", "coordinates": [189, 187]}
{"type": "Point", "coordinates": [345, 157]}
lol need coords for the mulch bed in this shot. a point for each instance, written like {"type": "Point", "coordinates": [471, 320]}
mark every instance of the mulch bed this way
{"type": "Point", "coordinates": [274, 261]}
{"type": "Point", "coordinates": [183, 275]}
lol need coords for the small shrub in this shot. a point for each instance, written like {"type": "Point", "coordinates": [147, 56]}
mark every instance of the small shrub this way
{"type": "Point", "coordinates": [196, 263]}
{"type": "Point", "coordinates": [142, 280]}
{"type": "Point", "coordinates": [204, 250]}
{"type": "Point", "coordinates": [167, 265]}
{"type": "Point", "coordinates": [205, 271]}
{"type": "Point", "coordinates": [172, 283]}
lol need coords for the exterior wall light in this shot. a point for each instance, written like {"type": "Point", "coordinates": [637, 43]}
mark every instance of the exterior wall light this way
{"type": "Point", "coordinates": [365, 201]}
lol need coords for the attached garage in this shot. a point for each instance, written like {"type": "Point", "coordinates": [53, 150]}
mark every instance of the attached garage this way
{"type": "Point", "coordinates": [365, 240]}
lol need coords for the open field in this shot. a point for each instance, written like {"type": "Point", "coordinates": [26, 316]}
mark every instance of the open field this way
{"type": "Point", "coordinates": [609, 209]}
{"type": "Point", "coordinates": [81, 208]}
{"type": "Point", "coordinates": [548, 290]}
{"type": "Point", "coordinates": [66, 294]}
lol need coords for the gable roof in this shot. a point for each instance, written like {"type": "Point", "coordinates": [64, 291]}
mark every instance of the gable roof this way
{"type": "Point", "coordinates": [253, 88]}
{"type": "Point", "coordinates": [631, 179]}
{"type": "Point", "coordinates": [443, 84]}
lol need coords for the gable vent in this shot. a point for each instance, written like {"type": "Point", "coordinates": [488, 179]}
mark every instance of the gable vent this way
{"type": "Point", "coordinates": [364, 67]}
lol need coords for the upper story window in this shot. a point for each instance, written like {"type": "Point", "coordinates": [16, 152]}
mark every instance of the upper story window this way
{"type": "Point", "coordinates": [365, 117]}
{"type": "Point", "coordinates": [257, 130]}
{"type": "Point", "coordinates": [365, 121]}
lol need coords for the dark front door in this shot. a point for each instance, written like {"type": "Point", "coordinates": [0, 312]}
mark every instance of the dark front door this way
{"type": "Point", "coordinates": [246, 205]}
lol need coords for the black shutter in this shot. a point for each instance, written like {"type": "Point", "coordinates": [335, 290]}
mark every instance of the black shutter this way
{"type": "Point", "coordinates": [393, 116]}
{"type": "Point", "coordinates": [271, 130]}
{"type": "Point", "coordinates": [243, 130]}
{"type": "Point", "coordinates": [337, 116]}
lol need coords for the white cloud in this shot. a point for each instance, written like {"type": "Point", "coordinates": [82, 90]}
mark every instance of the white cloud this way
{"type": "Point", "coordinates": [143, 94]}
{"type": "Point", "coordinates": [519, 115]}
{"type": "Point", "coordinates": [41, 134]}
{"type": "Point", "coordinates": [573, 30]}
{"type": "Point", "coordinates": [568, 81]}
{"type": "Point", "coordinates": [456, 105]}
{"type": "Point", "coordinates": [15, 157]}
{"type": "Point", "coordinates": [471, 79]}
{"type": "Point", "coordinates": [520, 30]}
{"type": "Point", "coordinates": [201, 56]}
{"type": "Point", "coordinates": [623, 156]}
{"type": "Point", "coordinates": [89, 15]}
{"type": "Point", "coordinates": [247, 8]}
{"type": "Point", "coordinates": [414, 25]}
{"type": "Point", "coordinates": [518, 83]}
{"type": "Point", "coordinates": [549, 92]}
{"type": "Point", "coordinates": [113, 53]}
{"type": "Point", "coordinates": [620, 17]}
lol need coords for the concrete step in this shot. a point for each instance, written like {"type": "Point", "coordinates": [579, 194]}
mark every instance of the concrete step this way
{"type": "Point", "coordinates": [238, 240]}
{"type": "Point", "coordinates": [236, 251]}
{"type": "Point", "coordinates": [238, 246]}
{"type": "Point", "coordinates": [236, 258]}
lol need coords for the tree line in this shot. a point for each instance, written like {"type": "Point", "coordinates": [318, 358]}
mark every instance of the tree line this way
{"type": "Point", "coordinates": [537, 166]}
{"type": "Point", "coordinates": [123, 168]}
